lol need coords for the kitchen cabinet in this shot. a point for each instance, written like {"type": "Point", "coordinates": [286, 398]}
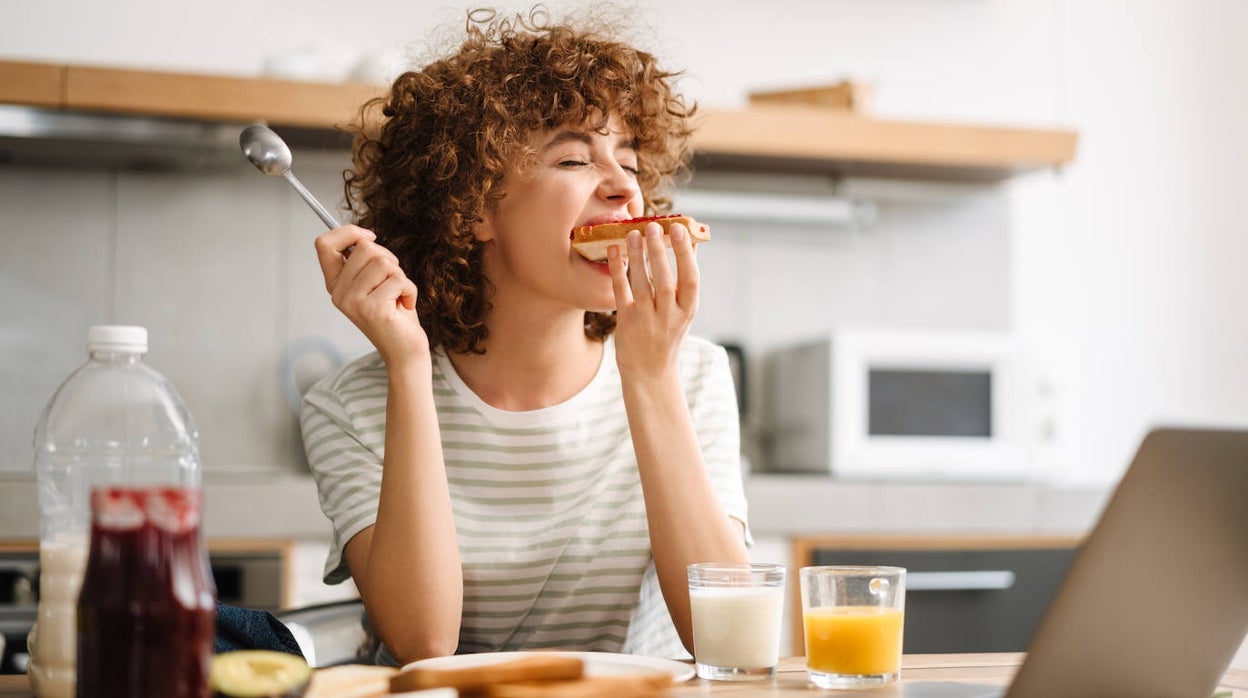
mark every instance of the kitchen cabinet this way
{"type": "Point", "coordinates": [249, 572]}
{"type": "Point", "coordinates": [792, 138]}
{"type": "Point", "coordinates": [963, 594]}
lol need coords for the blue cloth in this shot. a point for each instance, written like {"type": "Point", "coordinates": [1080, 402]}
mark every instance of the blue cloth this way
{"type": "Point", "coordinates": [249, 629]}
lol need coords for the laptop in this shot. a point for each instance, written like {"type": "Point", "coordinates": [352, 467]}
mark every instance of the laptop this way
{"type": "Point", "coordinates": [1156, 600]}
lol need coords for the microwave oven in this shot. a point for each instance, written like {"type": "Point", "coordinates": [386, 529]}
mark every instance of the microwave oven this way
{"type": "Point", "coordinates": [896, 403]}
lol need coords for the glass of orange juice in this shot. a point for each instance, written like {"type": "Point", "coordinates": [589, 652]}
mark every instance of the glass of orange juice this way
{"type": "Point", "coordinates": [853, 618]}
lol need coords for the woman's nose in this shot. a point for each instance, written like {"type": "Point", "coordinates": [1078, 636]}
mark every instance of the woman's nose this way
{"type": "Point", "coordinates": [618, 184]}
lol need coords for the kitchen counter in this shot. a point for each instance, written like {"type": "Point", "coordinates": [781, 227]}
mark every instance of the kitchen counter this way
{"type": "Point", "coordinates": [241, 506]}
{"type": "Point", "coordinates": [783, 505]}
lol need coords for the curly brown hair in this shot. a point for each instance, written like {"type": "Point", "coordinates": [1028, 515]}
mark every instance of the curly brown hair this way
{"type": "Point", "coordinates": [425, 175]}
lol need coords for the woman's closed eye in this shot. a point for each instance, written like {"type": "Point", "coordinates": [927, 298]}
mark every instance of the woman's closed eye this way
{"type": "Point", "coordinates": [572, 163]}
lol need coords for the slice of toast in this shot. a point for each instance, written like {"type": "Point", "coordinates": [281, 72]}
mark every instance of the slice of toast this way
{"type": "Point", "coordinates": [533, 668]}
{"type": "Point", "coordinates": [638, 686]}
{"type": "Point", "coordinates": [350, 681]}
{"type": "Point", "coordinates": [592, 241]}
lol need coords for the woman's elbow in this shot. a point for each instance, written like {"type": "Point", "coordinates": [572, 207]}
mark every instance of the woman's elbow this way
{"type": "Point", "coordinates": [416, 648]}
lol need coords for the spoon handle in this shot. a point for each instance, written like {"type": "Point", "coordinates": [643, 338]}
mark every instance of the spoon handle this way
{"type": "Point", "coordinates": [323, 214]}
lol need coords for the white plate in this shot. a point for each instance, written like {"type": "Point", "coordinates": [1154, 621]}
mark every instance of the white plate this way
{"type": "Point", "coordinates": [596, 663]}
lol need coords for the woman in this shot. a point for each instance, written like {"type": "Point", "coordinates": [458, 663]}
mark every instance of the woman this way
{"type": "Point", "coordinates": [536, 450]}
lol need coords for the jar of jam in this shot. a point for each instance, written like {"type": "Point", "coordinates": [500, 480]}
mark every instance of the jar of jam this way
{"type": "Point", "coordinates": [146, 612]}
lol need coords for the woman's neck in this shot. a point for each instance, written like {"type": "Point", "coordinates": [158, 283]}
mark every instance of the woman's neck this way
{"type": "Point", "coordinates": [528, 366]}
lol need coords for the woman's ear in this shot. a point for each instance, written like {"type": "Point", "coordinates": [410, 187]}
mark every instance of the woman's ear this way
{"type": "Point", "coordinates": [483, 229]}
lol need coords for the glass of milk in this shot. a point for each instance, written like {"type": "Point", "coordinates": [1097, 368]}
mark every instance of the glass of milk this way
{"type": "Point", "coordinates": [736, 612]}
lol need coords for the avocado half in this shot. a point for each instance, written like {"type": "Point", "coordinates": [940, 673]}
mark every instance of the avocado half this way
{"type": "Point", "coordinates": [259, 674]}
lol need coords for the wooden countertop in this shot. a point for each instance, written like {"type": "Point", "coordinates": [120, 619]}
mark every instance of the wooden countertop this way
{"type": "Point", "coordinates": [994, 669]}
{"type": "Point", "coordinates": [761, 137]}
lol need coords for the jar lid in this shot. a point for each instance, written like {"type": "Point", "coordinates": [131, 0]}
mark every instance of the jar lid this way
{"type": "Point", "coordinates": [128, 338]}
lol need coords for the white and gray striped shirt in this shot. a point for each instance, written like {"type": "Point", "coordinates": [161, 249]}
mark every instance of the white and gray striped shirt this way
{"type": "Point", "coordinates": [549, 514]}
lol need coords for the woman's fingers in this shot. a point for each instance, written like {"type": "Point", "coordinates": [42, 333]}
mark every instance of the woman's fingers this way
{"type": "Point", "coordinates": [367, 283]}
{"type": "Point", "coordinates": [686, 269]}
{"type": "Point", "coordinates": [662, 281]}
{"type": "Point", "coordinates": [638, 275]}
{"type": "Point", "coordinates": [331, 248]}
{"type": "Point", "coordinates": [364, 272]}
{"type": "Point", "coordinates": [395, 289]}
{"type": "Point", "coordinates": [619, 276]}
{"type": "Point", "coordinates": [649, 277]}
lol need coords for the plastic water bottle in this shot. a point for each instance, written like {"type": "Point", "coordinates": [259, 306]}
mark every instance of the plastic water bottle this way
{"type": "Point", "coordinates": [115, 422]}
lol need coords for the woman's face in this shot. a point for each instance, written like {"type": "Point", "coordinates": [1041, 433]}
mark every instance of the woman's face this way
{"type": "Point", "coordinates": [580, 176]}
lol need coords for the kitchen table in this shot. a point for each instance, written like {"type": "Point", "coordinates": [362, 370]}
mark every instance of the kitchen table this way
{"type": "Point", "coordinates": [994, 669]}
{"type": "Point", "coordinates": [791, 677]}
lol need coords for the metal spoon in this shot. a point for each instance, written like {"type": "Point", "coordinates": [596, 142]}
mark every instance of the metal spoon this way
{"type": "Point", "coordinates": [270, 154]}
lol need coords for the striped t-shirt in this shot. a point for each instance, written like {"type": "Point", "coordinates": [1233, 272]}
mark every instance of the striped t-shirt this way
{"type": "Point", "coordinates": [549, 515]}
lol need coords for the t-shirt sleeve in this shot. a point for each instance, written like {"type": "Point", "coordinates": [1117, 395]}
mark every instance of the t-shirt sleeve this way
{"type": "Point", "coordinates": [713, 408]}
{"type": "Point", "coordinates": [347, 471]}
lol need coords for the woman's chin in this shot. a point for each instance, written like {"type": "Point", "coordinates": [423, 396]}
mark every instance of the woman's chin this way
{"type": "Point", "coordinates": [601, 303]}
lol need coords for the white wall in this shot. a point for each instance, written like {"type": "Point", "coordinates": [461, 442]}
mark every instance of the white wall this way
{"type": "Point", "coordinates": [1126, 266]}
{"type": "Point", "coordinates": [1133, 259]}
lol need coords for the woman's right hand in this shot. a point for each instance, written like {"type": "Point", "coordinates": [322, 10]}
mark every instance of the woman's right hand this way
{"type": "Point", "coordinates": [367, 284]}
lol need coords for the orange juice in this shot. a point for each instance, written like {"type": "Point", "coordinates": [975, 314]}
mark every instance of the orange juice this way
{"type": "Point", "coordinates": [853, 639]}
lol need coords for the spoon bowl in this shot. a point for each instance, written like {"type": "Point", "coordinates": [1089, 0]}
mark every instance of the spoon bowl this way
{"type": "Point", "coordinates": [265, 149]}
{"type": "Point", "coordinates": [270, 154]}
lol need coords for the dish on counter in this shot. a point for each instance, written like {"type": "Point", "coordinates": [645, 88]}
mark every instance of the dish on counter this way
{"type": "Point", "coordinates": [596, 663]}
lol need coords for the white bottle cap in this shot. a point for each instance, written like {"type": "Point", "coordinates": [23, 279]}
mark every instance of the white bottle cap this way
{"type": "Point", "coordinates": [128, 338]}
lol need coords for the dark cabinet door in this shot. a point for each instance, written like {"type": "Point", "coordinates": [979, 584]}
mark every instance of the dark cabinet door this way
{"type": "Point", "coordinates": [968, 600]}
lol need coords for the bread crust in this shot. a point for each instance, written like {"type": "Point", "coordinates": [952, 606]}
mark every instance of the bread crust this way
{"type": "Point", "coordinates": [592, 241]}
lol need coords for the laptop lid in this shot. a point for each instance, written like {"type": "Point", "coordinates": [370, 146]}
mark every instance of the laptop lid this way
{"type": "Point", "coordinates": [1156, 601]}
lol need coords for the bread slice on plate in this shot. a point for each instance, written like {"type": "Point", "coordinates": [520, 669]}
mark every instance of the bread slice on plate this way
{"type": "Point", "coordinates": [535, 667]}
{"type": "Point", "coordinates": [351, 681]}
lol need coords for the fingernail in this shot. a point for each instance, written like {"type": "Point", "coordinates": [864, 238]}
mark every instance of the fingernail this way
{"type": "Point", "coordinates": [613, 252]}
{"type": "Point", "coordinates": [634, 239]}
{"type": "Point", "coordinates": [677, 233]}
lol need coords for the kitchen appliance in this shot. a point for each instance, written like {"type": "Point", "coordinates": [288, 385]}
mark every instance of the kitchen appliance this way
{"type": "Point", "coordinates": [899, 403]}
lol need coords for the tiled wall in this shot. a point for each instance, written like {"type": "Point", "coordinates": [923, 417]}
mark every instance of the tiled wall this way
{"type": "Point", "coordinates": [220, 267]}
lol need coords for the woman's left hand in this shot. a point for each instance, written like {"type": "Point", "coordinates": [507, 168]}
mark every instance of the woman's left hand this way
{"type": "Point", "coordinates": [655, 303]}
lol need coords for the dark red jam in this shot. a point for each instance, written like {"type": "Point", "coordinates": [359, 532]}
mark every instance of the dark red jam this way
{"type": "Point", "coordinates": [146, 612]}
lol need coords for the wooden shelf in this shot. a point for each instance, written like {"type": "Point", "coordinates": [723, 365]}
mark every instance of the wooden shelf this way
{"type": "Point", "coordinates": [762, 137]}
{"type": "Point", "coordinates": [280, 102]}
{"type": "Point", "coordinates": [828, 140]}
{"type": "Point", "coordinates": [32, 84]}
{"type": "Point", "coordinates": [312, 105]}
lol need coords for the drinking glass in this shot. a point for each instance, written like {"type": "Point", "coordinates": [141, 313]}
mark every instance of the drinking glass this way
{"type": "Point", "coordinates": [737, 611]}
{"type": "Point", "coordinates": [853, 617]}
